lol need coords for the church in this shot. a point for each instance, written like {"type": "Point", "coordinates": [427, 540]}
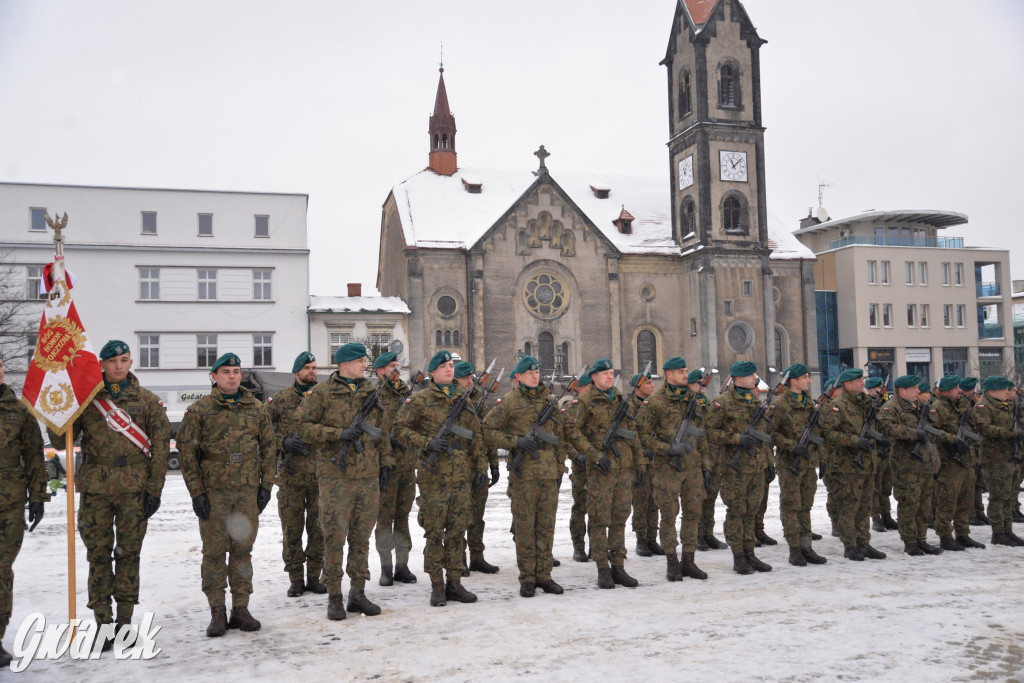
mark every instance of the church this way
{"type": "Point", "coordinates": [573, 267]}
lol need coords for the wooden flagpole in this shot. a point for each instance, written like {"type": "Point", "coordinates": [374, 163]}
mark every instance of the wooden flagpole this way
{"type": "Point", "coordinates": [69, 461]}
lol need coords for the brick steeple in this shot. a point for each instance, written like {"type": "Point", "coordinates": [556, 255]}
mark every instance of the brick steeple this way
{"type": "Point", "coordinates": [443, 159]}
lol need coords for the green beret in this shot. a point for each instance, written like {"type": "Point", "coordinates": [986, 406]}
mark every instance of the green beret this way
{"type": "Point", "coordinates": [384, 358]}
{"type": "Point", "coordinates": [600, 365]}
{"type": "Point", "coordinates": [463, 369]}
{"type": "Point", "coordinates": [742, 368]}
{"type": "Point", "coordinates": [526, 363]}
{"type": "Point", "coordinates": [114, 347]}
{"type": "Point", "coordinates": [795, 370]}
{"type": "Point", "coordinates": [949, 382]}
{"type": "Point", "coordinates": [441, 356]}
{"type": "Point", "coordinates": [907, 381]}
{"type": "Point", "coordinates": [302, 359]}
{"type": "Point", "coordinates": [968, 383]}
{"type": "Point", "coordinates": [872, 382]}
{"type": "Point", "coordinates": [849, 375]}
{"type": "Point", "coordinates": [350, 351]}
{"type": "Point", "coordinates": [924, 388]}
{"type": "Point", "coordinates": [695, 376]}
{"type": "Point", "coordinates": [585, 381]}
{"type": "Point", "coordinates": [995, 383]}
{"type": "Point", "coordinates": [674, 363]}
{"type": "Point", "coordinates": [229, 360]}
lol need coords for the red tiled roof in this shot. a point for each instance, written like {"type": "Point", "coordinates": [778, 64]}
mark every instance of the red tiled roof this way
{"type": "Point", "coordinates": [700, 10]}
{"type": "Point", "coordinates": [625, 215]}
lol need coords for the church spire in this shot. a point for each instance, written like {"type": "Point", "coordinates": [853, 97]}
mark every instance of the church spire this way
{"type": "Point", "coordinates": [443, 159]}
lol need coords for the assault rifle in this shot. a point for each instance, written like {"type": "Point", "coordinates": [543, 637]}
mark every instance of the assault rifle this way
{"type": "Point", "coordinates": [869, 431]}
{"type": "Point", "coordinates": [736, 461]}
{"type": "Point", "coordinates": [922, 425]}
{"type": "Point", "coordinates": [964, 434]}
{"type": "Point", "coordinates": [687, 429]}
{"type": "Point", "coordinates": [536, 431]}
{"type": "Point", "coordinates": [808, 435]}
{"type": "Point", "coordinates": [1018, 416]}
{"type": "Point", "coordinates": [450, 425]}
{"type": "Point", "coordinates": [615, 430]}
{"type": "Point", "coordinates": [418, 380]}
{"type": "Point", "coordinates": [340, 459]}
{"type": "Point", "coordinates": [487, 391]}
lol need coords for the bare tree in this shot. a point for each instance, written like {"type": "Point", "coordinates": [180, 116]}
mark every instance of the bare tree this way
{"type": "Point", "coordinates": [19, 320]}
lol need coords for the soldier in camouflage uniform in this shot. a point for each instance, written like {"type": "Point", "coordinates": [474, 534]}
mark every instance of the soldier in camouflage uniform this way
{"type": "Point", "coordinates": [475, 533]}
{"type": "Point", "coordinates": [726, 423]}
{"type": "Point", "coordinates": [392, 530]}
{"type": "Point", "coordinates": [610, 474]}
{"type": "Point", "coordinates": [578, 513]}
{"type": "Point", "coordinates": [970, 393]}
{"type": "Point", "coordinates": [706, 539]}
{"type": "Point", "coordinates": [450, 466]}
{"type": "Point", "coordinates": [993, 416]}
{"type": "Point", "coordinates": [881, 510]}
{"type": "Point", "coordinates": [535, 468]}
{"type": "Point", "coordinates": [228, 457]}
{"type": "Point", "coordinates": [790, 416]}
{"type": "Point", "coordinates": [645, 510]}
{"type": "Point", "coordinates": [22, 479]}
{"type": "Point", "coordinates": [298, 492]}
{"type": "Point", "coordinates": [120, 484]}
{"type": "Point", "coordinates": [680, 472]}
{"type": "Point", "coordinates": [352, 467]}
{"type": "Point", "coordinates": [760, 536]}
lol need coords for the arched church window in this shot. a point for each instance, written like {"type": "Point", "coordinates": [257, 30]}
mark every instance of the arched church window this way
{"type": "Point", "coordinates": [546, 352]}
{"type": "Point", "coordinates": [444, 140]}
{"type": "Point", "coordinates": [455, 338]}
{"type": "Point", "coordinates": [780, 350]}
{"type": "Point", "coordinates": [646, 350]}
{"type": "Point", "coordinates": [689, 217]}
{"type": "Point", "coordinates": [729, 87]}
{"type": "Point", "coordinates": [436, 141]}
{"type": "Point", "coordinates": [732, 211]}
{"type": "Point", "coordinates": [438, 339]}
{"type": "Point", "coordinates": [447, 337]}
{"type": "Point", "coordinates": [684, 94]}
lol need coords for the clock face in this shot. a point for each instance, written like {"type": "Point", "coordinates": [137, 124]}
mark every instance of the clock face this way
{"type": "Point", "coordinates": [686, 172]}
{"type": "Point", "coordinates": [733, 165]}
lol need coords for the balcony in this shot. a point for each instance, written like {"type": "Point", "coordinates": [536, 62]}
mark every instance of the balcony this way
{"type": "Point", "coordinates": [986, 289]}
{"type": "Point", "coordinates": [990, 331]}
{"type": "Point", "coordinates": [935, 242]}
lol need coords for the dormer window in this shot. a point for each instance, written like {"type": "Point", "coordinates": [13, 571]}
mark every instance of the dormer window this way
{"type": "Point", "coordinates": [624, 222]}
{"type": "Point", "coordinates": [472, 185]}
{"type": "Point", "coordinates": [600, 192]}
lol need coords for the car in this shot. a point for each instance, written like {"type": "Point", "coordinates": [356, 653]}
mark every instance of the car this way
{"type": "Point", "coordinates": [173, 458]}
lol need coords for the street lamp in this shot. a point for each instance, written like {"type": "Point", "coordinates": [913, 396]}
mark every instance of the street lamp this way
{"type": "Point", "coordinates": [519, 356]}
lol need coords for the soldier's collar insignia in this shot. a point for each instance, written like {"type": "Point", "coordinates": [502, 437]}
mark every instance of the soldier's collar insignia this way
{"type": "Point", "coordinates": [115, 388]}
{"type": "Point", "coordinates": [530, 391]}
{"type": "Point", "coordinates": [352, 384]}
{"type": "Point", "coordinates": [304, 389]}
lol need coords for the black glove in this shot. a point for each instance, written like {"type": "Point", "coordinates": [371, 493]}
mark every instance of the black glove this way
{"type": "Point", "coordinates": [865, 444]}
{"type": "Point", "coordinates": [201, 506]}
{"type": "Point", "coordinates": [384, 477]}
{"type": "Point", "coordinates": [581, 460]}
{"type": "Point", "coordinates": [977, 470]}
{"type": "Point", "coordinates": [395, 443]}
{"type": "Point", "coordinates": [479, 481]}
{"type": "Point", "coordinates": [676, 463]}
{"type": "Point", "coordinates": [821, 471]}
{"type": "Point", "coordinates": [559, 481]}
{"type": "Point", "coordinates": [293, 444]}
{"type": "Point", "coordinates": [884, 445]}
{"type": "Point", "coordinates": [35, 515]}
{"type": "Point", "coordinates": [152, 505]}
{"type": "Point", "coordinates": [262, 499]}
{"type": "Point", "coordinates": [525, 443]}
{"type": "Point", "coordinates": [352, 434]}
{"type": "Point", "coordinates": [678, 449]}
{"type": "Point", "coordinates": [495, 475]}
{"type": "Point", "coordinates": [922, 437]}
{"type": "Point", "coordinates": [431, 462]}
{"type": "Point", "coordinates": [747, 440]}
{"type": "Point", "coordinates": [961, 446]}
{"type": "Point", "coordinates": [437, 445]}
{"type": "Point", "coordinates": [801, 450]}
{"type": "Point", "coordinates": [604, 465]}
{"type": "Point", "coordinates": [709, 480]}
{"type": "Point", "coordinates": [641, 476]}
{"type": "Point", "coordinates": [769, 474]}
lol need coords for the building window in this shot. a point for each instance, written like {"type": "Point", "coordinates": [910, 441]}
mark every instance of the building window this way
{"type": "Point", "coordinates": [206, 350]}
{"type": "Point", "coordinates": [262, 226]}
{"type": "Point", "coordinates": [958, 274]}
{"type": "Point", "coordinates": [149, 222]}
{"type": "Point", "coordinates": [335, 341]}
{"type": "Point", "coordinates": [149, 283]}
{"type": "Point", "coordinates": [546, 352]}
{"type": "Point", "coordinates": [961, 311]}
{"type": "Point", "coordinates": [954, 361]}
{"type": "Point", "coordinates": [872, 272]}
{"type": "Point", "coordinates": [947, 315]}
{"type": "Point", "coordinates": [38, 222]}
{"type": "Point", "coordinates": [739, 336]}
{"type": "Point", "coordinates": [689, 217]}
{"type": "Point", "coordinates": [379, 342]}
{"type": "Point", "coordinates": [646, 350]}
{"type": "Point", "coordinates": [207, 280]}
{"type": "Point", "coordinates": [684, 95]}
{"type": "Point", "coordinates": [731, 212]}
{"type": "Point", "coordinates": [546, 296]}
{"type": "Point", "coordinates": [748, 288]}
{"type": "Point", "coordinates": [885, 272]}
{"type": "Point", "coordinates": [945, 274]}
{"type": "Point", "coordinates": [911, 315]}
{"type": "Point", "coordinates": [925, 309]}
{"type": "Point", "coordinates": [727, 307]}
{"type": "Point", "coordinates": [455, 338]}
{"type": "Point", "coordinates": [262, 350]}
{"type": "Point", "coordinates": [34, 280]}
{"type": "Point", "coordinates": [780, 348]}
{"type": "Point", "coordinates": [447, 337]}
{"type": "Point", "coordinates": [149, 350]}
{"type": "Point", "coordinates": [922, 273]}
{"type": "Point", "coordinates": [693, 327]}
{"type": "Point", "coordinates": [206, 224]}
{"type": "Point", "coordinates": [446, 306]}
{"type": "Point", "coordinates": [729, 87]}
{"type": "Point", "coordinates": [886, 315]}
{"type": "Point", "coordinates": [261, 289]}
{"type": "Point", "coordinates": [873, 315]}
{"type": "Point", "coordinates": [528, 348]}
{"type": "Point", "coordinates": [909, 270]}
{"type": "Point", "coordinates": [438, 338]}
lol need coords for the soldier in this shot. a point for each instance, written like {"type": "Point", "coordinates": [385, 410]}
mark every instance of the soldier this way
{"type": "Point", "coordinates": [449, 464]}
{"type": "Point", "coordinates": [578, 513]}
{"type": "Point", "coordinates": [853, 483]}
{"type": "Point", "coordinates": [535, 468]}
{"type": "Point", "coordinates": [125, 443]}
{"type": "Point", "coordinates": [475, 534]}
{"type": "Point", "coordinates": [969, 393]}
{"type": "Point", "coordinates": [796, 490]}
{"type": "Point", "coordinates": [352, 467]}
{"type": "Point", "coordinates": [645, 510]}
{"type": "Point", "coordinates": [706, 539]}
{"type": "Point", "coordinates": [726, 425]}
{"type": "Point", "coordinates": [392, 531]}
{"type": "Point", "coordinates": [993, 416]}
{"type": "Point", "coordinates": [762, 538]}
{"type": "Point", "coordinates": [298, 492]}
{"type": "Point", "coordinates": [881, 510]}
{"type": "Point", "coordinates": [824, 475]}
{"type": "Point", "coordinates": [22, 479]}
{"type": "Point", "coordinates": [228, 448]}
{"type": "Point", "coordinates": [680, 472]}
{"type": "Point", "coordinates": [610, 474]}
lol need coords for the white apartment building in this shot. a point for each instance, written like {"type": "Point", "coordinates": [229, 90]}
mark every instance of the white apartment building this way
{"type": "Point", "coordinates": [183, 276]}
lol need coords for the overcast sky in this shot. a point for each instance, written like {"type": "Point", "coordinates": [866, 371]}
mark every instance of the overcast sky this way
{"type": "Point", "coordinates": [909, 104]}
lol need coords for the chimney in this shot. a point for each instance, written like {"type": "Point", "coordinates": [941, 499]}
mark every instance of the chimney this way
{"type": "Point", "coordinates": [355, 289]}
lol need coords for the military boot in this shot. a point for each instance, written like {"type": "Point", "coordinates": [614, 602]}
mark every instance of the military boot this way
{"type": "Point", "coordinates": [870, 553]}
{"type": "Point", "coordinates": [1017, 516]}
{"type": "Point", "coordinates": [296, 588]}
{"type": "Point", "coordinates": [811, 556]}
{"type": "Point", "coordinates": [1017, 540]}
{"type": "Point", "coordinates": [929, 549]}
{"type": "Point", "coordinates": [765, 538]}
{"type": "Point", "coordinates": [755, 563]}
{"type": "Point", "coordinates": [815, 537]}
{"type": "Point", "coordinates": [437, 594]}
{"type": "Point", "coordinates": [796, 557]}
{"type": "Point", "coordinates": [980, 519]}
{"type": "Point", "coordinates": [968, 542]}
{"type": "Point", "coordinates": [714, 543]}
{"type": "Point", "coordinates": [642, 549]}
{"type": "Point", "coordinates": [358, 602]}
{"type": "Point", "coordinates": [912, 549]}
{"type": "Point", "coordinates": [579, 554]}
{"type": "Point", "coordinates": [313, 584]}
{"type": "Point", "coordinates": [125, 623]}
{"type": "Point", "coordinates": [947, 543]}
{"type": "Point", "coordinates": [740, 565]}
{"type": "Point", "coordinates": [1001, 539]}
{"type": "Point", "coordinates": [387, 576]}
{"type": "Point", "coordinates": [702, 543]}
{"type": "Point", "coordinates": [690, 568]}
{"type": "Point", "coordinates": [218, 622]}
{"type": "Point", "coordinates": [481, 565]}
{"type": "Point", "coordinates": [105, 636]}
{"type": "Point", "coordinates": [877, 524]}
{"type": "Point", "coordinates": [604, 578]}
{"type": "Point", "coordinates": [853, 553]}
{"type": "Point", "coordinates": [403, 575]}
{"type": "Point", "coordinates": [454, 590]}
{"type": "Point", "coordinates": [550, 586]}
{"type": "Point", "coordinates": [620, 577]}
{"type": "Point", "coordinates": [241, 619]}
{"type": "Point", "coordinates": [889, 522]}
{"type": "Point", "coordinates": [655, 547]}
{"type": "Point", "coordinates": [672, 573]}
{"type": "Point", "coordinates": [5, 657]}
{"type": "Point", "coordinates": [527, 589]}
{"type": "Point", "coordinates": [835, 531]}
{"type": "Point", "coordinates": [336, 607]}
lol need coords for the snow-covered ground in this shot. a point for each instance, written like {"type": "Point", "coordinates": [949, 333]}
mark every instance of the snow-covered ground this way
{"type": "Point", "coordinates": [958, 616]}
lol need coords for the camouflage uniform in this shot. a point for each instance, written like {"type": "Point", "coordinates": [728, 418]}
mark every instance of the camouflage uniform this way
{"type": "Point", "coordinates": [228, 451]}
{"type": "Point", "coordinates": [608, 495]}
{"type": "Point", "coordinates": [645, 509]}
{"type": "Point", "coordinates": [534, 493]}
{"type": "Point", "coordinates": [852, 487]}
{"type": "Point", "coordinates": [882, 505]}
{"type": "Point", "coordinates": [22, 479]}
{"type": "Point", "coordinates": [994, 419]}
{"type": "Point", "coordinates": [578, 512]}
{"type": "Point", "coordinates": [913, 481]}
{"type": "Point", "coordinates": [796, 491]}
{"type": "Point", "coordinates": [444, 501]}
{"type": "Point", "coordinates": [114, 480]}
{"type": "Point", "coordinates": [298, 494]}
{"type": "Point", "coordinates": [707, 514]}
{"type": "Point", "coordinates": [953, 498]}
{"type": "Point", "coordinates": [392, 531]}
{"type": "Point", "coordinates": [349, 500]}
{"type": "Point", "coordinates": [478, 498]}
{"type": "Point", "coordinates": [769, 462]}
